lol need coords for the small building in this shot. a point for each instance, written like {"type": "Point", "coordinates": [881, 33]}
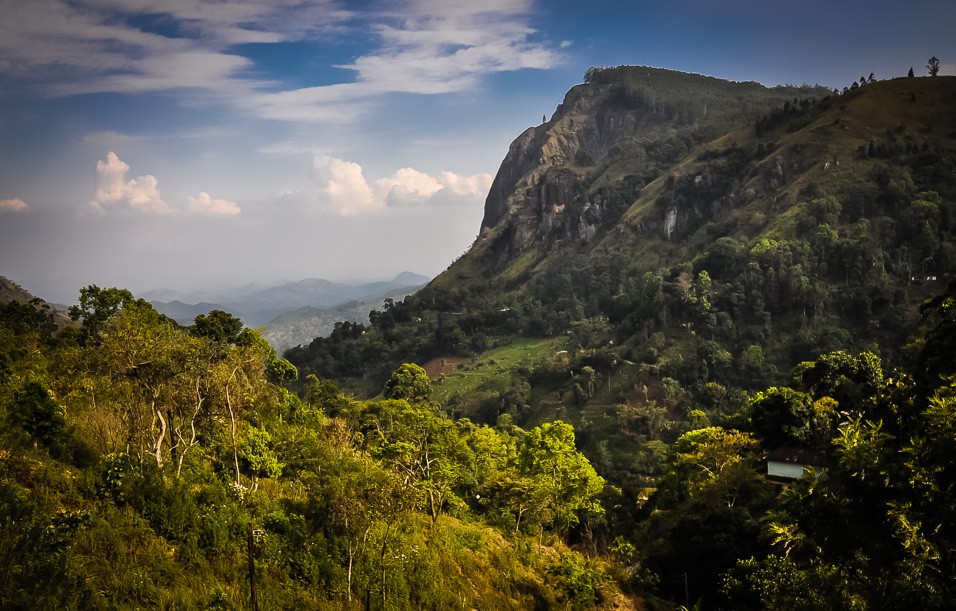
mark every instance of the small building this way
{"type": "Point", "coordinates": [791, 463]}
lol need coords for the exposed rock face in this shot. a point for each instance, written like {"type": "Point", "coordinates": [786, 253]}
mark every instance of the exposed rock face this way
{"type": "Point", "coordinates": [540, 190]}
{"type": "Point", "coordinates": [546, 166]}
{"type": "Point", "coordinates": [606, 139]}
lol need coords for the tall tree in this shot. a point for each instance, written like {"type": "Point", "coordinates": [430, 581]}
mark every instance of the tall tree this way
{"type": "Point", "coordinates": [409, 382]}
{"type": "Point", "coordinates": [97, 306]}
{"type": "Point", "coordinates": [561, 475]}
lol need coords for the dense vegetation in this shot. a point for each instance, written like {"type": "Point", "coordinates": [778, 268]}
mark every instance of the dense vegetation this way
{"type": "Point", "coordinates": [142, 461]}
{"type": "Point", "coordinates": [139, 457]}
{"type": "Point", "coordinates": [719, 260]}
{"type": "Point", "coordinates": [600, 408]}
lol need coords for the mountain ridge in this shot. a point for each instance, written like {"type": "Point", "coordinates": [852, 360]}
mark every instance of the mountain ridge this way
{"type": "Point", "coordinates": [744, 222]}
{"type": "Point", "coordinates": [257, 305]}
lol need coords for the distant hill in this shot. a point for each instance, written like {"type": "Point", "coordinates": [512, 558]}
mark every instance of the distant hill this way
{"type": "Point", "coordinates": [301, 326]}
{"type": "Point", "coordinates": [11, 291]}
{"type": "Point", "coordinates": [257, 305]}
{"type": "Point", "coordinates": [186, 313]}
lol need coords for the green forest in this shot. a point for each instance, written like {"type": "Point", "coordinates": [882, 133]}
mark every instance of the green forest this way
{"type": "Point", "coordinates": [580, 418]}
{"type": "Point", "coordinates": [143, 461]}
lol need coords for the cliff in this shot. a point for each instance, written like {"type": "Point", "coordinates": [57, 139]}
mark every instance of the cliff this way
{"type": "Point", "coordinates": [567, 178]}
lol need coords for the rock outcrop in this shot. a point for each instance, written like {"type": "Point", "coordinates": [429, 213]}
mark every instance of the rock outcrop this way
{"type": "Point", "coordinates": [573, 176]}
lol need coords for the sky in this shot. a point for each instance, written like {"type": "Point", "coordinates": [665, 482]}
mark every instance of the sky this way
{"type": "Point", "coordinates": [203, 144]}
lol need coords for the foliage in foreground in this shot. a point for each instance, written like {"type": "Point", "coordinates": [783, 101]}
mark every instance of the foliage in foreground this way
{"type": "Point", "coordinates": [139, 457]}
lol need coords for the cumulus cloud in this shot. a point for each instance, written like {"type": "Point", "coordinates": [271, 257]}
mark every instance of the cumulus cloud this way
{"type": "Point", "coordinates": [409, 187]}
{"type": "Point", "coordinates": [141, 194]}
{"type": "Point", "coordinates": [205, 204]}
{"type": "Point", "coordinates": [13, 205]}
{"type": "Point", "coordinates": [341, 188]}
{"type": "Point", "coordinates": [112, 189]}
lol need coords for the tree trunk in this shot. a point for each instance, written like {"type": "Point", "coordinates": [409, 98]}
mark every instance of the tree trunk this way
{"type": "Point", "coordinates": [158, 441]}
{"type": "Point", "coordinates": [235, 439]}
{"type": "Point", "coordinates": [351, 552]}
{"type": "Point", "coordinates": [382, 559]}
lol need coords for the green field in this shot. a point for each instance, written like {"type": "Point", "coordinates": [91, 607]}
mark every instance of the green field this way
{"type": "Point", "coordinates": [498, 364]}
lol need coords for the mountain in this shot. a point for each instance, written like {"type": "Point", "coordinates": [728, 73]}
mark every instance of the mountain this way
{"type": "Point", "coordinates": [301, 326]}
{"type": "Point", "coordinates": [676, 277]}
{"type": "Point", "coordinates": [612, 139]}
{"type": "Point", "coordinates": [10, 291]}
{"type": "Point", "coordinates": [675, 229]}
{"type": "Point", "coordinates": [257, 305]}
{"type": "Point", "coordinates": [681, 268]}
{"type": "Point", "coordinates": [185, 313]}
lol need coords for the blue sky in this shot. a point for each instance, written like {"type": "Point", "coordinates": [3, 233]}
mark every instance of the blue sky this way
{"type": "Point", "coordinates": [194, 144]}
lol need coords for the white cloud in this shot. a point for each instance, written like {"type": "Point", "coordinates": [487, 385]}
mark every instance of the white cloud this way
{"type": "Point", "coordinates": [206, 205]}
{"type": "Point", "coordinates": [112, 189]}
{"type": "Point", "coordinates": [70, 47]}
{"type": "Point", "coordinates": [239, 21]}
{"type": "Point", "coordinates": [192, 69]}
{"type": "Point", "coordinates": [409, 187]}
{"type": "Point", "coordinates": [13, 205]}
{"type": "Point", "coordinates": [342, 103]}
{"type": "Point", "coordinates": [448, 46]}
{"type": "Point", "coordinates": [430, 47]}
{"type": "Point", "coordinates": [93, 45]}
{"type": "Point", "coordinates": [341, 188]}
{"type": "Point", "coordinates": [406, 187]}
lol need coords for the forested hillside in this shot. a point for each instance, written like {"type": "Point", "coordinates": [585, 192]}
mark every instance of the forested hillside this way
{"type": "Point", "coordinates": [677, 278]}
{"type": "Point", "coordinates": [146, 465]}
{"type": "Point", "coordinates": [667, 247]}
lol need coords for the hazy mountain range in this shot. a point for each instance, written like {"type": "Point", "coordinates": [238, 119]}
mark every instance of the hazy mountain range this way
{"type": "Point", "coordinates": [292, 313]}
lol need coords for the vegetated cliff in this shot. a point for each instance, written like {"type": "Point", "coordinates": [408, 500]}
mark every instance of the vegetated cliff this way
{"type": "Point", "coordinates": [803, 207]}
{"type": "Point", "coordinates": [678, 226]}
{"type": "Point", "coordinates": [568, 178]}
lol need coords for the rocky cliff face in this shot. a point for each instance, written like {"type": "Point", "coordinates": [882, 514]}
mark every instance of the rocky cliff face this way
{"type": "Point", "coordinates": [547, 166]}
{"type": "Point", "coordinates": [568, 178]}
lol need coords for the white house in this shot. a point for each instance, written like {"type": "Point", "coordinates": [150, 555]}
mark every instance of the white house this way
{"type": "Point", "coordinates": [791, 463]}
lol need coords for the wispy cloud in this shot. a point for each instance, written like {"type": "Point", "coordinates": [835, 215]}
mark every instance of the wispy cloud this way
{"type": "Point", "coordinates": [86, 46]}
{"type": "Point", "coordinates": [68, 47]}
{"type": "Point", "coordinates": [448, 46]}
{"type": "Point", "coordinates": [341, 103]}
{"type": "Point", "coordinates": [13, 205]}
{"type": "Point", "coordinates": [340, 187]}
{"type": "Point", "coordinates": [429, 47]}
